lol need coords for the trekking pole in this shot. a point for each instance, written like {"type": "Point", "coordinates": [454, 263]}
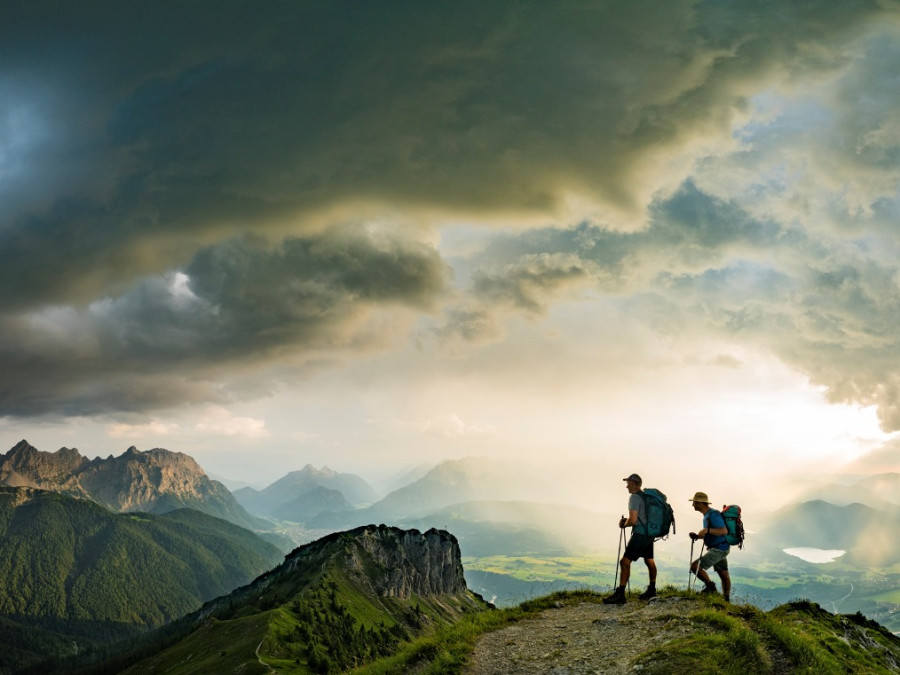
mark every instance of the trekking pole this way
{"type": "Point", "coordinates": [618, 557]}
{"type": "Point", "coordinates": [691, 562]}
{"type": "Point", "coordinates": [702, 546]}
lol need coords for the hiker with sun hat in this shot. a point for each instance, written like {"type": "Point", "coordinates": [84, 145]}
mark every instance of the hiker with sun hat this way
{"type": "Point", "coordinates": [717, 546]}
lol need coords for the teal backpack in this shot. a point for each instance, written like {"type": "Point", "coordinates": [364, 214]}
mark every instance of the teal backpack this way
{"type": "Point", "coordinates": [660, 516]}
{"type": "Point", "coordinates": [732, 516]}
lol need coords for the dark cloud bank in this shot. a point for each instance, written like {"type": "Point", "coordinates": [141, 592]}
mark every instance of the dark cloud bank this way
{"type": "Point", "coordinates": [175, 179]}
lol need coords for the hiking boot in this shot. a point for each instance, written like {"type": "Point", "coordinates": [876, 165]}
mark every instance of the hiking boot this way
{"type": "Point", "coordinates": [617, 598]}
{"type": "Point", "coordinates": [726, 598]}
{"type": "Point", "coordinates": [710, 589]}
{"type": "Point", "coordinates": [649, 593]}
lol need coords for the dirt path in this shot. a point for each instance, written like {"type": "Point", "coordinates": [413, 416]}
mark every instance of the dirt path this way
{"type": "Point", "coordinates": [582, 638]}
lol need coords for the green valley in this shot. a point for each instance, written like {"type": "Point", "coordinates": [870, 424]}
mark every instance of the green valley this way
{"type": "Point", "coordinates": [77, 577]}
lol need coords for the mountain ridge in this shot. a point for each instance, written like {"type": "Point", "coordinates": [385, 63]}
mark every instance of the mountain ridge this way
{"type": "Point", "coordinates": [154, 481]}
{"type": "Point", "coordinates": [339, 601]}
{"type": "Point", "coordinates": [450, 482]}
{"type": "Point", "coordinates": [78, 576]}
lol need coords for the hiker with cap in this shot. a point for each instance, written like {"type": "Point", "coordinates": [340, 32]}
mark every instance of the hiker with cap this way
{"type": "Point", "coordinates": [717, 547]}
{"type": "Point", "coordinates": [640, 545]}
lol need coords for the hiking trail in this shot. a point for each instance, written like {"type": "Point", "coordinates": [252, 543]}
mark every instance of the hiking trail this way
{"type": "Point", "coordinates": [587, 637]}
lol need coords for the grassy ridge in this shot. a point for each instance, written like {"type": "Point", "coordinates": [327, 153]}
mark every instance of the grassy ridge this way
{"type": "Point", "coordinates": [727, 640]}
{"type": "Point", "coordinates": [508, 580]}
{"type": "Point", "coordinates": [320, 613]}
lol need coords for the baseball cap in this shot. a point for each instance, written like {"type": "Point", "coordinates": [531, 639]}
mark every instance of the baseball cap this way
{"type": "Point", "coordinates": [634, 477]}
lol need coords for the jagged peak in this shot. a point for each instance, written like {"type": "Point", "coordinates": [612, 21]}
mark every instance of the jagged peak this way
{"type": "Point", "coordinates": [67, 452]}
{"type": "Point", "coordinates": [309, 469]}
{"type": "Point", "coordinates": [160, 455]}
{"type": "Point", "coordinates": [23, 453]}
{"type": "Point", "coordinates": [22, 447]}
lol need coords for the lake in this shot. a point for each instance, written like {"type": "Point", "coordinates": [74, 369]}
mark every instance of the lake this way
{"type": "Point", "coordinates": [814, 555]}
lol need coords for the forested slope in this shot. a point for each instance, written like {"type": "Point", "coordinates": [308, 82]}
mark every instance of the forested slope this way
{"type": "Point", "coordinates": [75, 574]}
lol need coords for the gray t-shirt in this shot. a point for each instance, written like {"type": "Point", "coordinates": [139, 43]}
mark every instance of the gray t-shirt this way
{"type": "Point", "coordinates": [636, 503]}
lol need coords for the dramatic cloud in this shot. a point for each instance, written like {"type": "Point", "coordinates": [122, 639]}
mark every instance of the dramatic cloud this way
{"type": "Point", "coordinates": [197, 200]}
{"type": "Point", "coordinates": [158, 127]}
{"type": "Point", "coordinates": [237, 302]}
{"type": "Point", "coordinates": [827, 305]}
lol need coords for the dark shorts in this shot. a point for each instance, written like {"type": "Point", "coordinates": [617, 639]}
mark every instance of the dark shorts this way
{"type": "Point", "coordinates": [639, 546]}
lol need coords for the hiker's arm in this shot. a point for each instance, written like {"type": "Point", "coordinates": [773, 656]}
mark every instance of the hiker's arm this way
{"type": "Point", "coordinates": [715, 531]}
{"type": "Point", "coordinates": [714, 517]}
{"type": "Point", "coordinates": [630, 520]}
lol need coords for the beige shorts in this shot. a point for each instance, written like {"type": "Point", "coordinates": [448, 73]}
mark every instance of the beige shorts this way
{"type": "Point", "coordinates": [715, 558]}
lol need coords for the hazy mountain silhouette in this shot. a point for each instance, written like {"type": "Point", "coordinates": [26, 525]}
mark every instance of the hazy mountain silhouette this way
{"type": "Point", "coordinates": [486, 528]}
{"type": "Point", "coordinates": [450, 482]}
{"type": "Point", "coordinates": [288, 494]}
{"type": "Point", "coordinates": [867, 535]}
{"type": "Point", "coordinates": [878, 490]}
{"type": "Point", "coordinates": [311, 503]}
{"type": "Point", "coordinates": [405, 477]}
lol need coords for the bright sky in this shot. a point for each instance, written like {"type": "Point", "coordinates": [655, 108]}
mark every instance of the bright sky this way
{"type": "Point", "coordinates": [654, 236]}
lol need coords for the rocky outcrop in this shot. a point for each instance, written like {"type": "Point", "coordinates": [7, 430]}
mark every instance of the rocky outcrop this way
{"type": "Point", "coordinates": [380, 561]}
{"type": "Point", "coordinates": [387, 560]}
{"type": "Point", "coordinates": [26, 466]}
{"type": "Point", "coordinates": [155, 481]}
{"type": "Point", "coordinates": [349, 597]}
{"type": "Point", "coordinates": [402, 563]}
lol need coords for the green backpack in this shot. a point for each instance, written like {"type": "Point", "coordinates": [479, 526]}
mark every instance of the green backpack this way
{"type": "Point", "coordinates": [660, 516]}
{"type": "Point", "coordinates": [732, 516]}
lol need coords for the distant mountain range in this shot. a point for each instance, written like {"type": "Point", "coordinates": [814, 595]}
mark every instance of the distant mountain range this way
{"type": "Point", "coordinates": [302, 495]}
{"type": "Point", "coordinates": [494, 507]}
{"type": "Point", "coordinates": [155, 481]}
{"type": "Point", "coordinates": [877, 490]}
{"type": "Point", "coordinates": [450, 482]}
{"type": "Point", "coordinates": [486, 528]}
{"type": "Point", "coordinates": [77, 576]}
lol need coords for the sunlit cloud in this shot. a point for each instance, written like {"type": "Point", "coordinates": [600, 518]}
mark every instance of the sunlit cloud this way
{"type": "Point", "coordinates": [147, 430]}
{"type": "Point", "coordinates": [221, 422]}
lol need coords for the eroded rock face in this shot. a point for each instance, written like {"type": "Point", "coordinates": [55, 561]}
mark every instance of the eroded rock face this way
{"type": "Point", "coordinates": [402, 563]}
{"type": "Point", "coordinates": [156, 481]}
{"type": "Point", "coordinates": [378, 560]}
{"type": "Point", "coordinates": [136, 481]}
{"type": "Point", "coordinates": [26, 466]}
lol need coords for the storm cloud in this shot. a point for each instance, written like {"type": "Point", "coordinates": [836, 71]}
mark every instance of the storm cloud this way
{"type": "Point", "coordinates": [189, 189]}
{"type": "Point", "coordinates": [237, 303]}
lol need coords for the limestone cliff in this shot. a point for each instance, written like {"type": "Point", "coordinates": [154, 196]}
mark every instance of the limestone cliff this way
{"type": "Point", "coordinates": [155, 481]}
{"type": "Point", "coordinates": [381, 561]}
{"type": "Point", "coordinates": [403, 563]}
